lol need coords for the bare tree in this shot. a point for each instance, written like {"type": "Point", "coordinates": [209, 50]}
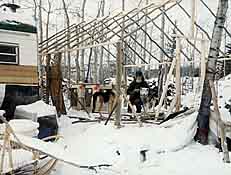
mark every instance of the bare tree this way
{"type": "Point", "coordinates": [68, 41]}
{"type": "Point", "coordinates": [40, 21]}
{"type": "Point", "coordinates": [204, 111]}
{"type": "Point", "coordinates": [82, 70]}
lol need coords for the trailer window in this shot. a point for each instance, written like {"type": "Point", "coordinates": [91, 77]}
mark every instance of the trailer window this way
{"type": "Point", "coordinates": [8, 53]}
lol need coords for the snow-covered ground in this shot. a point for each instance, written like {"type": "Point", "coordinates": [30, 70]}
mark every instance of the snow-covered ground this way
{"type": "Point", "coordinates": [170, 149]}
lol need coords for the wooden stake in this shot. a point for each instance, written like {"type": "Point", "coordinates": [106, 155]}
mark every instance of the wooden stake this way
{"type": "Point", "coordinates": [178, 78]}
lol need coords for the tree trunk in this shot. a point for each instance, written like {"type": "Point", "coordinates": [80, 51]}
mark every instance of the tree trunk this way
{"type": "Point", "coordinates": [55, 80]}
{"type": "Point", "coordinates": [40, 22]}
{"type": "Point", "coordinates": [68, 45]}
{"type": "Point", "coordinates": [82, 70]}
{"type": "Point", "coordinates": [204, 110]}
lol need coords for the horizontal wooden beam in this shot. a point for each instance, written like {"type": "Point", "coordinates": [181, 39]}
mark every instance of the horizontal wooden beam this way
{"type": "Point", "coordinates": [81, 48]}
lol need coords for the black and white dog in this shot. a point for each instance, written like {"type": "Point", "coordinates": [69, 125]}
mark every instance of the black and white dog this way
{"type": "Point", "coordinates": [104, 96]}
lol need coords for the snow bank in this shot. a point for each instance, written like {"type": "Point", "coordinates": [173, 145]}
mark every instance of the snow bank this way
{"type": "Point", "coordinates": [99, 144]}
{"type": "Point", "coordinates": [24, 127]}
{"type": "Point", "coordinates": [170, 149]}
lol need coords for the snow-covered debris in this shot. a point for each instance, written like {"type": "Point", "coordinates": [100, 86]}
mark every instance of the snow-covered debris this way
{"type": "Point", "coordinates": [20, 159]}
{"type": "Point", "coordinates": [37, 109]}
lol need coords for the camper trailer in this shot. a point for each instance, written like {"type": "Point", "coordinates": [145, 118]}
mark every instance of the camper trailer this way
{"type": "Point", "coordinates": [18, 52]}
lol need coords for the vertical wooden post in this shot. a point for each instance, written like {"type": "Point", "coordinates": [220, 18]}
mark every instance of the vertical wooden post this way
{"type": "Point", "coordinates": [48, 59]}
{"type": "Point", "coordinates": [178, 77]}
{"type": "Point", "coordinates": [119, 60]}
{"type": "Point", "coordinates": [193, 17]}
{"type": "Point", "coordinates": [161, 67]}
{"type": "Point", "coordinates": [203, 61]}
{"type": "Point", "coordinates": [165, 88]}
{"type": "Point", "coordinates": [124, 70]}
{"type": "Point", "coordinates": [3, 150]}
{"type": "Point", "coordinates": [221, 123]}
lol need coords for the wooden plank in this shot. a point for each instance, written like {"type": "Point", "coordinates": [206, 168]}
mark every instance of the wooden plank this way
{"type": "Point", "coordinates": [17, 74]}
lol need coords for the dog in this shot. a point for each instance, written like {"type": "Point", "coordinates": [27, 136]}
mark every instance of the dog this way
{"type": "Point", "coordinates": [104, 96]}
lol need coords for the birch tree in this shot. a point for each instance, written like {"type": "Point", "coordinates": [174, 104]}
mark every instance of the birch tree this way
{"type": "Point", "coordinates": [204, 110]}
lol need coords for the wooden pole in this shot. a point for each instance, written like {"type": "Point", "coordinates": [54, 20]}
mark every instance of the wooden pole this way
{"type": "Point", "coordinates": [47, 88]}
{"type": "Point", "coordinates": [221, 123]}
{"type": "Point", "coordinates": [193, 16]}
{"type": "Point", "coordinates": [145, 28]}
{"type": "Point", "coordinates": [118, 82]}
{"type": "Point", "coordinates": [165, 88]}
{"type": "Point", "coordinates": [203, 59]}
{"type": "Point", "coordinates": [178, 78]}
{"type": "Point", "coordinates": [161, 70]}
{"type": "Point", "coordinates": [3, 150]}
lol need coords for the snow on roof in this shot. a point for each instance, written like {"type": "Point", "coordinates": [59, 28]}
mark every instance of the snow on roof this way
{"type": "Point", "coordinates": [21, 16]}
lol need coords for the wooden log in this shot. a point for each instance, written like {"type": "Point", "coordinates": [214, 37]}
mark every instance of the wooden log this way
{"type": "Point", "coordinates": [62, 39]}
{"type": "Point", "coordinates": [73, 38]}
{"type": "Point", "coordinates": [156, 7]}
{"type": "Point", "coordinates": [56, 35]}
{"type": "Point", "coordinates": [135, 40]}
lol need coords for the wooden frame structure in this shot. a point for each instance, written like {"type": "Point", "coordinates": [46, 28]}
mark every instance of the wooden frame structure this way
{"type": "Point", "coordinates": [123, 28]}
